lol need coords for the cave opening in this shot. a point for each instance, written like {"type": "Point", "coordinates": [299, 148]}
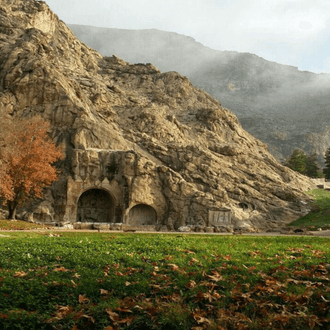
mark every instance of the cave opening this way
{"type": "Point", "coordinates": [95, 205]}
{"type": "Point", "coordinates": [142, 215]}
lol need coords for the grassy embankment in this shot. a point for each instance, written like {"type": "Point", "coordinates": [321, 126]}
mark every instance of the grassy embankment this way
{"type": "Point", "coordinates": [320, 216]}
{"type": "Point", "coordinates": [20, 225]}
{"type": "Point", "coordinates": [144, 281]}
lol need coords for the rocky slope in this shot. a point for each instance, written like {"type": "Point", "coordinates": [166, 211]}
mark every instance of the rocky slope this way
{"type": "Point", "coordinates": [282, 106]}
{"type": "Point", "coordinates": [149, 139]}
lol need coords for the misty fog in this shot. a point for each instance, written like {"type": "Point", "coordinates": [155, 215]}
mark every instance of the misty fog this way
{"type": "Point", "coordinates": [267, 97]}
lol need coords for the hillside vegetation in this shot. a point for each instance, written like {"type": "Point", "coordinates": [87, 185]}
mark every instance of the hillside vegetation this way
{"type": "Point", "coordinates": [320, 215]}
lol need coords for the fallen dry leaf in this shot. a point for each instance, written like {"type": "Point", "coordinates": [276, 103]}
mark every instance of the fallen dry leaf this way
{"type": "Point", "coordinates": [60, 269]}
{"type": "Point", "coordinates": [112, 315]}
{"type": "Point", "coordinates": [173, 266]}
{"type": "Point", "coordinates": [88, 317]}
{"type": "Point", "coordinates": [200, 319]}
{"type": "Point", "coordinates": [74, 284]}
{"type": "Point", "coordinates": [104, 292]}
{"type": "Point", "coordinates": [216, 276]}
{"type": "Point", "coordinates": [191, 284]}
{"type": "Point", "coordinates": [20, 274]}
{"type": "Point", "coordinates": [83, 299]}
{"type": "Point", "coordinates": [189, 252]}
{"type": "Point", "coordinates": [193, 261]}
{"type": "Point", "coordinates": [127, 320]}
{"type": "Point", "coordinates": [123, 310]}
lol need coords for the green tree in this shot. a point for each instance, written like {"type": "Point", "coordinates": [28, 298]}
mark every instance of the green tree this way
{"type": "Point", "coordinates": [326, 169]}
{"type": "Point", "coordinates": [297, 161]}
{"type": "Point", "coordinates": [312, 167]}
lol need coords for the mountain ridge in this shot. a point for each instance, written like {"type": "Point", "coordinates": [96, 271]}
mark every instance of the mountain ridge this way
{"type": "Point", "coordinates": [262, 88]}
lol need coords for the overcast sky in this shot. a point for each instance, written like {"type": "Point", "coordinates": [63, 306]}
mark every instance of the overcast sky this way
{"type": "Point", "coordinates": [294, 32]}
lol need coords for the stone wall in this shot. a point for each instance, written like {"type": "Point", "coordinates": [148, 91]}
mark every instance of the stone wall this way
{"type": "Point", "coordinates": [124, 188]}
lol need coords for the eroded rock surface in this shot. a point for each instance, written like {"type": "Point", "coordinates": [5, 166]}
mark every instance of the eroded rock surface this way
{"type": "Point", "coordinates": [165, 153]}
{"type": "Point", "coordinates": [284, 107]}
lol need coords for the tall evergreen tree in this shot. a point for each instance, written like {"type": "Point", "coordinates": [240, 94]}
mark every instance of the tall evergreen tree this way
{"type": "Point", "coordinates": [312, 166]}
{"type": "Point", "coordinates": [297, 161]}
{"type": "Point", "coordinates": [326, 169]}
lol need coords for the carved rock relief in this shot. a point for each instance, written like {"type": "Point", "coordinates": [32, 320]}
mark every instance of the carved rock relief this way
{"type": "Point", "coordinates": [95, 205]}
{"type": "Point", "coordinates": [124, 187]}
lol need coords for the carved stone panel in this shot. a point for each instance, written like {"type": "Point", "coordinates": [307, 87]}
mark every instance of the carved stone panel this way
{"type": "Point", "coordinates": [219, 217]}
{"type": "Point", "coordinates": [95, 205]}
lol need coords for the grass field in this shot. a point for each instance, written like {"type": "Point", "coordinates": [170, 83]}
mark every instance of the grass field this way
{"type": "Point", "coordinates": [164, 281]}
{"type": "Point", "coordinates": [320, 216]}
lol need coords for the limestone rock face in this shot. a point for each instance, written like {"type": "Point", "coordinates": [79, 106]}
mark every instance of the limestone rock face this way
{"type": "Point", "coordinates": [284, 107]}
{"type": "Point", "coordinates": [143, 148]}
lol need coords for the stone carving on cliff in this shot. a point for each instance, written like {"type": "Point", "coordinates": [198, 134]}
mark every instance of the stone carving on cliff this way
{"type": "Point", "coordinates": [123, 187]}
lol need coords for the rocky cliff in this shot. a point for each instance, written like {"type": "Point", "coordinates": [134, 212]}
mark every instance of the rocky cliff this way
{"type": "Point", "coordinates": [143, 148]}
{"type": "Point", "coordinates": [282, 106]}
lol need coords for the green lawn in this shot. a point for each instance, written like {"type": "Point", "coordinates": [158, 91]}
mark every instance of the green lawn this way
{"type": "Point", "coordinates": [163, 281]}
{"type": "Point", "coordinates": [320, 216]}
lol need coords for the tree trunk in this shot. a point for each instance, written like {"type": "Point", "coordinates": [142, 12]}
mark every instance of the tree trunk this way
{"type": "Point", "coordinates": [12, 205]}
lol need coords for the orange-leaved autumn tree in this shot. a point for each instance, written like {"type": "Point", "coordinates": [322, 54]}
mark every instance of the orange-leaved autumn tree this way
{"type": "Point", "coordinates": [26, 157]}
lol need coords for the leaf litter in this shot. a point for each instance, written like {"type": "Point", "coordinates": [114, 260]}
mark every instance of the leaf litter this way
{"type": "Point", "coordinates": [208, 287]}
